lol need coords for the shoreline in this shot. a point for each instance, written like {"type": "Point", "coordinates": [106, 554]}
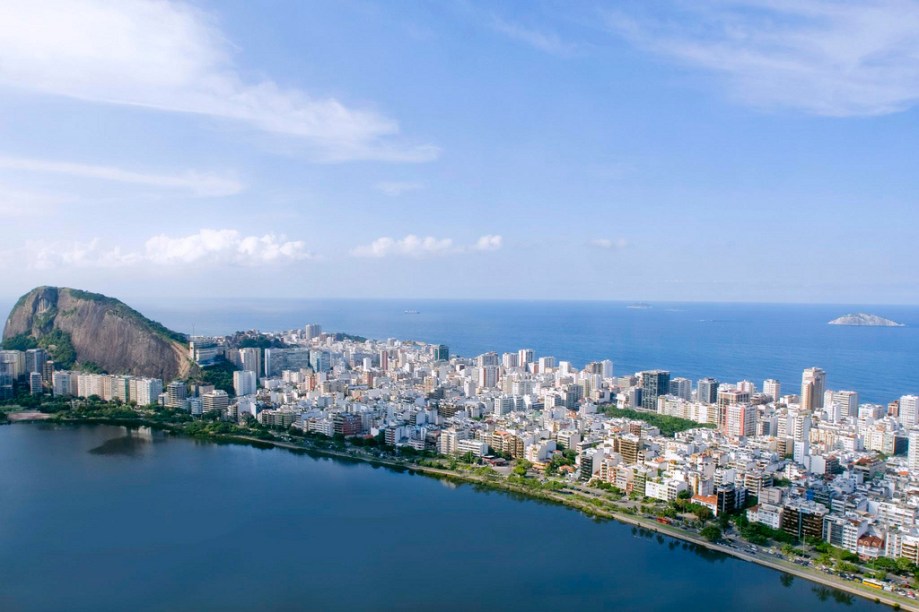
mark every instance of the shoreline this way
{"type": "Point", "coordinates": [567, 500]}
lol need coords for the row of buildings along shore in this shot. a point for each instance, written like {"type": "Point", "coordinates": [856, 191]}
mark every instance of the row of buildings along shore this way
{"type": "Point", "coordinates": [818, 462]}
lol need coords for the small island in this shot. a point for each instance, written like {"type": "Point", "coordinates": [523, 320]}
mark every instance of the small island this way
{"type": "Point", "coordinates": [865, 320]}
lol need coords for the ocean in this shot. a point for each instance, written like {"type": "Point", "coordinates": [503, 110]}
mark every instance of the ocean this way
{"type": "Point", "coordinates": [730, 342]}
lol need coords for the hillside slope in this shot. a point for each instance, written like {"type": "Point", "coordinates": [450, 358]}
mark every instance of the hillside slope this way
{"type": "Point", "coordinates": [92, 330]}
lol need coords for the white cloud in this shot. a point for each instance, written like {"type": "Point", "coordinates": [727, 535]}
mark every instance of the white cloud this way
{"type": "Point", "coordinates": [489, 242]}
{"type": "Point", "coordinates": [206, 247]}
{"type": "Point", "coordinates": [415, 246]}
{"type": "Point", "coordinates": [543, 41]}
{"type": "Point", "coordinates": [200, 184]}
{"type": "Point", "coordinates": [223, 247]}
{"type": "Point", "coordinates": [609, 244]}
{"type": "Point", "coordinates": [171, 57]}
{"type": "Point", "coordinates": [397, 188]}
{"type": "Point", "coordinates": [45, 256]}
{"type": "Point", "coordinates": [822, 57]}
{"type": "Point", "coordinates": [411, 246]}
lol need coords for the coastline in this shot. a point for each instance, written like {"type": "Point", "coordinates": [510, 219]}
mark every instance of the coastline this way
{"type": "Point", "coordinates": [571, 501]}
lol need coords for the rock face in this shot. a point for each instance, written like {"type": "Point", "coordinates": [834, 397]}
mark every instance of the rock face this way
{"type": "Point", "coordinates": [104, 332]}
{"type": "Point", "coordinates": [865, 320]}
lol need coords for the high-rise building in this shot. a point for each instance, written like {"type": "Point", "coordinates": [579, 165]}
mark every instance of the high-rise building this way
{"type": "Point", "coordinates": [525, 356]}
{"type": "Point", "coordinates": [813, 385]}
{"type": "Point", "coordinates": [35, 386]}
{"type": "Point", "coordinates": [681, 387]}
{"type": "Point", "coordinates": [913, 452]}
{"type": "Point", "coordinates": [654, 383]}
{"type": "Point", "coordinates": [747, 386]}
{"type": "Point", "coordinates": [250, 358]}
{"type": "Point", "coordinates": [15, 362]}
{"type": "Point", "coordinates": [909, 410]}
{"type": "Point", "coordinates": [488, 359]}
{"type": "Point", "coordinates": [320, 361]}
{"type": "Point", "coordinates": [176, 393]}
{"type": "Point", "coordinates": [547, 363]}
{"type": "Point", "coordinates": [773, 389]}
{"type": "Point", "coordinates": [6, 380]}
{"type": "Point", "coordinates": [244, 382]}
{"type": "Point", "coordinates": [740, 420]}
{"type": "Point", "coordinates": [312, 330]}
{"type": "Point", "coordinates": [707, 390]}
{"type": "Point", "coordinates": [510, 360]}
{"type": "Point", "coordinates": [607, 368]}
{"type": "Point", "coordinates": [278, 360]}
{"type": "Point", "coordinates": [35, 360]}
{"type": "Point", "coordinates": [147, 390]}
{"type": "Point", "coordinates": [47, 372]}
{"type": "Point", "coordinates": [488, 376]}
{"type": "Point", "coordinates": [215, 400]}
{"type": "Point", "coordinates": [60, 383]}
{"type": "Point", "coordinates": [847, 402]}
{"type": "Point", "coordinates": [441, 352]}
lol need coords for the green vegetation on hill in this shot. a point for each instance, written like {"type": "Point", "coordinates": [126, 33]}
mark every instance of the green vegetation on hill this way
{"type": "Point", "coordinates": [220, 375]}
{"type": "Point", "coordinates": [261, 341]}
{"type": "Point", "coordinates": [668, 425]}
{"type": "Point", "coordinates": [59, 347]}
{"type": "Point", "coordinates": [56, 342]}
{"type": "Point", "coordinates": [20, 342]}
{"type": "Point", "coordinates": [339, 337]}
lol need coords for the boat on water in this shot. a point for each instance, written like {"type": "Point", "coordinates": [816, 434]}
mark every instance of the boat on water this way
{"type": "Point", "coordinates": [639, 306]}
{"type": "Point", "coordinates": [410, 312]}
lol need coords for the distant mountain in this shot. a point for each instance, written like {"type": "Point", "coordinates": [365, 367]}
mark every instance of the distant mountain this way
{"type": "Point", "coordinates": [865, 320]}
{"type": "Point", "coordinates": [92, 331]}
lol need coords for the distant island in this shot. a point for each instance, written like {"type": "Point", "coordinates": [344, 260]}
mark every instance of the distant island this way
{"type": "Point", "coordinates": [639, 306]}
{"type": "Point", "coordinates": [865, 320]}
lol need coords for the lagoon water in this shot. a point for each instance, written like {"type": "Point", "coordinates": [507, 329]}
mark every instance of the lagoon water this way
{"type": "Point", "coordinates": [105, 518]}
{"type": "Point", "coordinates": [731, 342]}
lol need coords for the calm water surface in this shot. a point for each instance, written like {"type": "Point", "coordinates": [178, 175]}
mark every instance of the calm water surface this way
{"type": "Point", "coordinates": [105, 518]}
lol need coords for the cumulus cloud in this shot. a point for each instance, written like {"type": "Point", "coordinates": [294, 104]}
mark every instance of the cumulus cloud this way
{"type": "Point", "coordinates": [397, 188]}
{"type": "Point", "coordinates": [91, 254]}
{"type": "Point", "coordinates": [200, 184]}
{"type": "Point", "coordinates": [610, 244]}
{"type": "Point", "coordinates": [171, 57]}
{"type": "Point", "coordinates": [489, 242]}
{"type": "Point", "coordinates": [822, 57]}
{"type": "Point", "coordinates": [415, 246]}
{"type": "Point", "coordinates": [411, 245]}
{"type": "Point", "coordinates": [224, 246]}
{"type": "Point", "coordinates": [206, 247]}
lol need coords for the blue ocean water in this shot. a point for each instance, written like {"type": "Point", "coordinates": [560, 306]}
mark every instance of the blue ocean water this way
{"type": "Point", "coordinates": [731, 342]}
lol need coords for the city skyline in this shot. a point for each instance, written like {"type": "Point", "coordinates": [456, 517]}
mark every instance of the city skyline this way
{"type": "Point", "coordinates": [748, 151]}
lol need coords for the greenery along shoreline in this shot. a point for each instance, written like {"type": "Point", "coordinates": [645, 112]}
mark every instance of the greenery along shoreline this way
{"type": "Point", "coordinates": [680, 518]}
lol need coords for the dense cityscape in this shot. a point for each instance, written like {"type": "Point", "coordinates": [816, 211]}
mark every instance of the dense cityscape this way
{"type": "Point", "coordinates": [760, 468]}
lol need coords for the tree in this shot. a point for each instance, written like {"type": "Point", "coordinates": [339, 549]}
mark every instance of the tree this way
{"type": "Point", "coordinates": [712, 533]}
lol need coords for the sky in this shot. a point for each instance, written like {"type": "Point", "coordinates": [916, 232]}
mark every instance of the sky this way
{"type": "Point", "coordinates": [706, 150]}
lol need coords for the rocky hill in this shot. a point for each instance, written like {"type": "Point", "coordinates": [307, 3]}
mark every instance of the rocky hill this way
{"type": "Point", "coordinates": [865, 320]}
{"type": "Point", "coordinates": [93, 331]}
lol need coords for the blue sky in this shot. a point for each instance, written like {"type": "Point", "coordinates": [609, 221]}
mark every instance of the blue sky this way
{"type": "Point", "coordinates": [751, 150]}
